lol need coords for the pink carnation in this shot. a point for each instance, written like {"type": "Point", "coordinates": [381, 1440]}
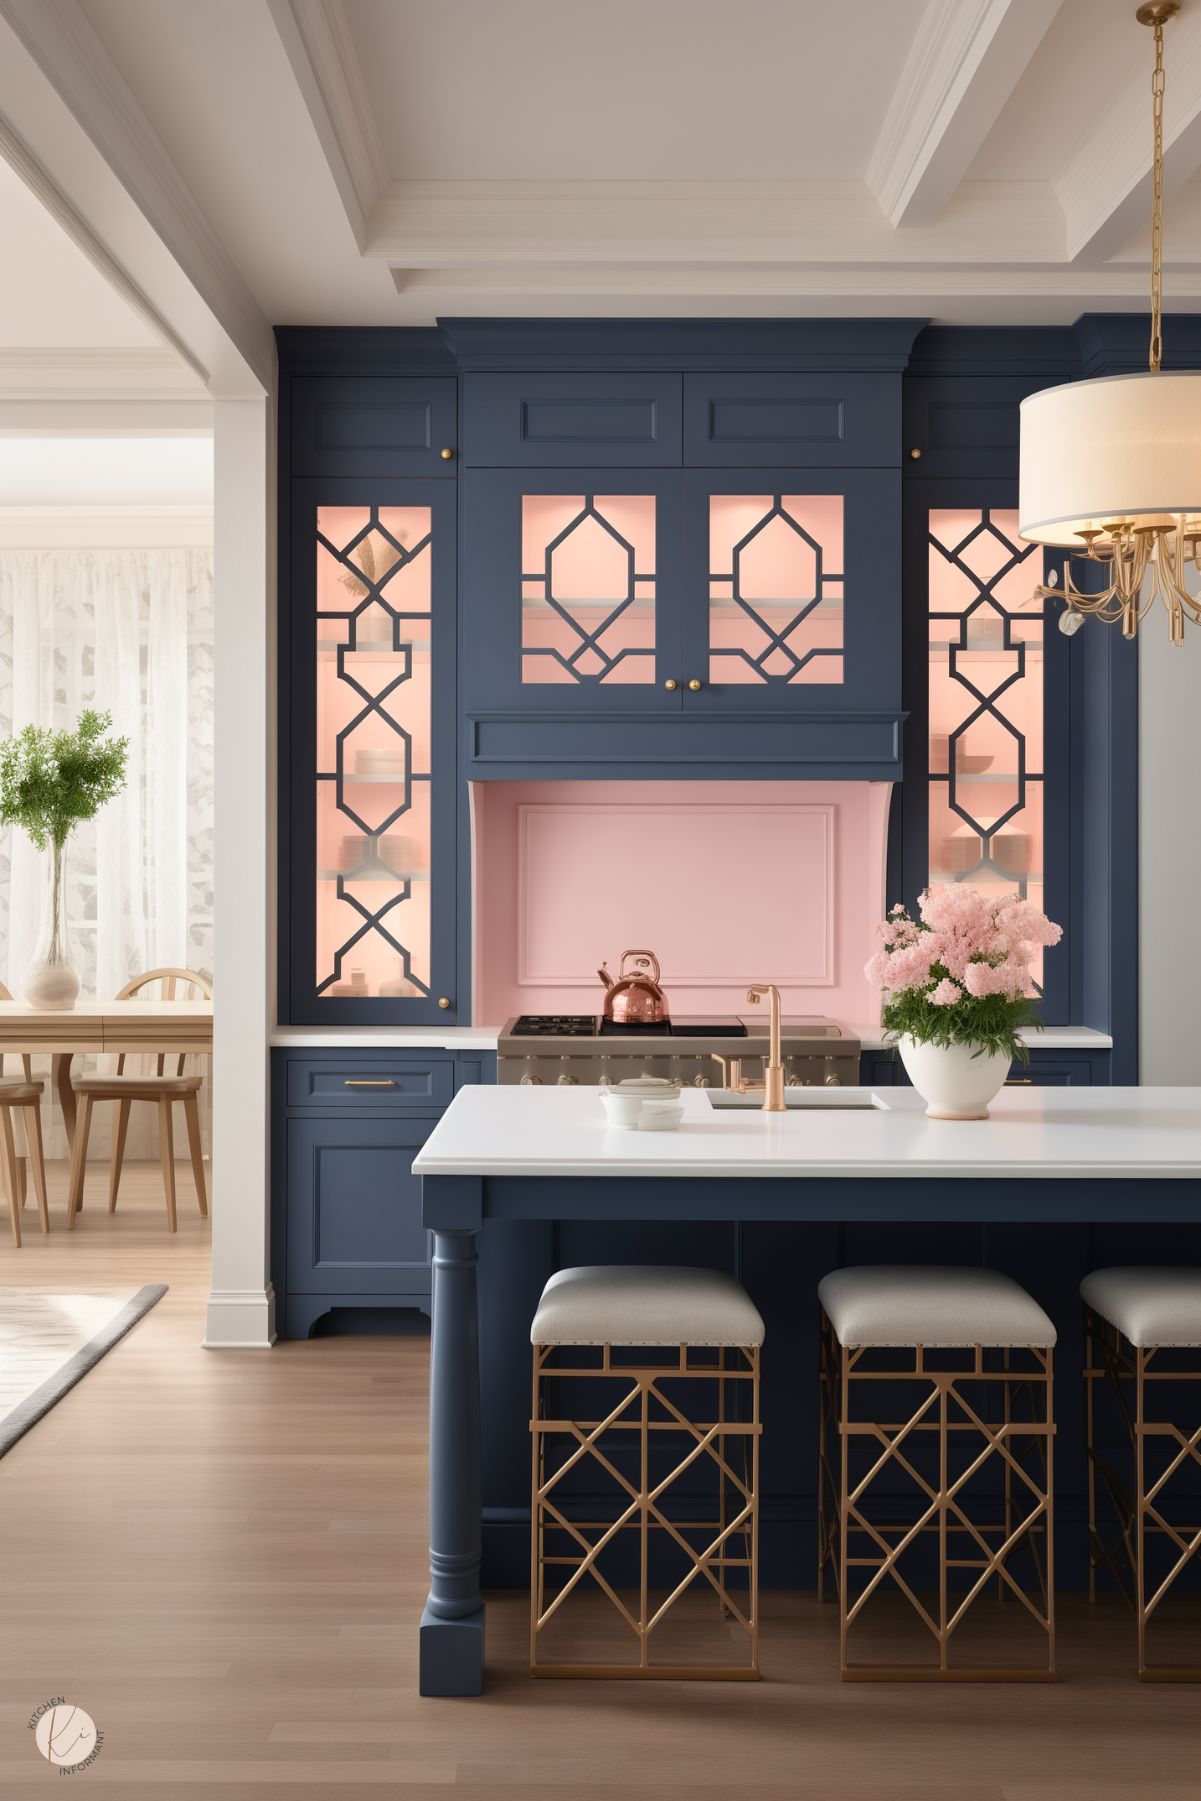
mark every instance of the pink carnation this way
{"type": "Point", "coordinates": [946, 994]}
{"type": "Point", "coordinates": [1009, 979]}
{"type": "Point", "coordinates": [984, 942]}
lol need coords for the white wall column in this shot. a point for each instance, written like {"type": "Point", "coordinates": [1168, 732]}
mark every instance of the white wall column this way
{"type": "Point", "coordinates": [1169, 855]}
{"type": "Point", "coordinates": [241, 1308]}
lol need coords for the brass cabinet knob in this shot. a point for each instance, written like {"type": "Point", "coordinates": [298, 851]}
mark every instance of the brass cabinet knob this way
{"type": "Point", "coordinates": [694, 686]}
{"type": "Point", "coordinates": [444, 1001]}
{"type": "Point", "coordinates": [446, 454]}
{"type": "Point", "coordinates": [915, 454]}
{"type": "Point", "coordinates": [671, 684]}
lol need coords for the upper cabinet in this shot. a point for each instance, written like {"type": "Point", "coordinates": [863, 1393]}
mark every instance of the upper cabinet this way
{"type": "Point", "coordinates": [810, 421]}
{"type": "Point", "coordinates": [373, 425]}
{"type": "Point", "coordinates": [567, 421]}
{"type": "Point", "coordinates": [683, 571]}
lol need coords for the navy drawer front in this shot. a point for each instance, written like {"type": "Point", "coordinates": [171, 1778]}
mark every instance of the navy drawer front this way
{"type": "Point", "coordinates": [1043, 1072]}
{"type": "Point", "coordinates": [358, 425]}
{"type": "Point", "coordinates": [362, 1080]}
{"type": "Point", "coordinates": [572, 421]}
{"type": "Point", "coordinates": [806, 421]}
{"type": "Point", "coordinates": [354, 1207]}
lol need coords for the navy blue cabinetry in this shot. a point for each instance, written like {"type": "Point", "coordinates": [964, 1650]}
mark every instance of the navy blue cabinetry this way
{"type": "Point", "coordinates": [372, 425]}
{"type": "Point", "coordinates": [536, 419]}
{"type": "Point", "coordinates": [1045, 1069]}
{"type": "Point", "coordinates": [346, 1223]}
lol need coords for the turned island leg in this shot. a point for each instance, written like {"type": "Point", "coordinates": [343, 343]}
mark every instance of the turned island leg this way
{"type": "Point", "coordinates": [452, 1625]}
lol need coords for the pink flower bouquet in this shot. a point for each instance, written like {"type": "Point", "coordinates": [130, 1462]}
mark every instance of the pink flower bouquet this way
{"type": "Point", "coordinates": [960, 972]}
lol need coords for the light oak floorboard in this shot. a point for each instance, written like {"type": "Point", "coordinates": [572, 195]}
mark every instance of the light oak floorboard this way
{"type": "Point", "coordinates": [221, 1556]}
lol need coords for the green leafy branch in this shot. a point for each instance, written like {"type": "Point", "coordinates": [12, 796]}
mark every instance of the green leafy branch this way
{"type": "Point", "coordinates": [51, 780]}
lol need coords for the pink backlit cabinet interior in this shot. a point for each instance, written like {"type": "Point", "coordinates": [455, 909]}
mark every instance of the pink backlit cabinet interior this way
{"type": "Point", "coordinates": [374, 755]}
{"type": "Point", "coordinates": [775, 592]}
{"type": "Point", "coordinates": [986, 693]}
{"type": "Point", "coordinates": [588, 589]}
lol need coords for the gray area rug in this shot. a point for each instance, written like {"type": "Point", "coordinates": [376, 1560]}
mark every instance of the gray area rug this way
{"type": "Point", "coordinates": [48, 1342]}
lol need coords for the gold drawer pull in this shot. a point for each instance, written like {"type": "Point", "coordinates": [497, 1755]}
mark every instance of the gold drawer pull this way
{"type": "Point", "coordinates": [1019, 1081]}
{"type": "Point", "coordinates": [355, 1082]}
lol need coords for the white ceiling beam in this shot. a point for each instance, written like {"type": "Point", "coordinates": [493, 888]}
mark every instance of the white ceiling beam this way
{"type": "Point", "coordinates": [819, 224]}
{"type": "Point", "coordinates": [317, 41]}
{"type": "Point", "coordinates": [74, 130]}
{"type": "Point", "coordinates": [965, 62]}
{"type": "Point", "coordinates": [1105, 191]}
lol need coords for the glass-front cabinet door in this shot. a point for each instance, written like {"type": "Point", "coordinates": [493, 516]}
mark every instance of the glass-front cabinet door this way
{"type": "Point", "coordinates": [989, 695]}
{"type": "Point", "coordinates": [791, 590]}
{"type": "Point", "coordinates": [572, 591]}
{"type": "Point", "coordinates": [372, 787]}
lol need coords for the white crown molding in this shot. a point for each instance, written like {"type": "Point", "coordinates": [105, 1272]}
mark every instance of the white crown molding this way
{"type": "Point", "coordinates": [965, 61]}
{"type": "Point", "coordinates": [1105, 191]}
{"type": "Point", "coordinates": [96, 375]}
{"type": "Point", "coordinates": [64, 51]}
{"type": "Point", "coordinates": [318, 43]}
{"type": "Point", "coordinates": [106, 528]}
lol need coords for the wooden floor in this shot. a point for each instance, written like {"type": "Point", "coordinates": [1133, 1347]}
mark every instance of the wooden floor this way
{"type": "Point", "coordinates": [221, 1557]}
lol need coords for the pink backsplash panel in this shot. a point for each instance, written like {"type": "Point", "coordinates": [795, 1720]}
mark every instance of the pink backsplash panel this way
{"type": "Point", "coordinates": [727, 882]}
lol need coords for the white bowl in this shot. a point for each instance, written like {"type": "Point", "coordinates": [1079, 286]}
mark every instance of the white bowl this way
{"type": "Point", "coordinates": [621, 1109]}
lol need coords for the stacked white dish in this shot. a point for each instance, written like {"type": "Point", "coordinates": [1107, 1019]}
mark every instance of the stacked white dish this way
{"type": "Point", "coordinates": [643, 1104]}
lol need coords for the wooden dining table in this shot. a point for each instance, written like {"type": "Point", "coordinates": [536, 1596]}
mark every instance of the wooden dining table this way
{"type": "Point", "coordinates": [103, 1028]}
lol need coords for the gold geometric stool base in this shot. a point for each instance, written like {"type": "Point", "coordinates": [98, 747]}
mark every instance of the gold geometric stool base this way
{"type": "Point", "coordinates": [940, 1435]}
{"type": "Point", "coordinates": [1144, 1523]}
{"type": "Point", "coordinates": [642, 1419]}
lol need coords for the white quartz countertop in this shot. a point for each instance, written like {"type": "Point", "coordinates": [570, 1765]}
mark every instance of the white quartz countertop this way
{"type": "Point", "coordinates": [483, 1038]}
{"type": "Point", "coordinates": [1097, 1132]}
{"type": "Point", "coordinates": [386, 1038]}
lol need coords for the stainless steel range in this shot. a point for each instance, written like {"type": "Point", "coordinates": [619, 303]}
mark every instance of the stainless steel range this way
{"type": "Point", "coordinates": [699, 1052]}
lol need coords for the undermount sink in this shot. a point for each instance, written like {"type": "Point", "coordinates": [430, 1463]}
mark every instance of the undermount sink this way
{"type": "Point", "coordinates": [839, 1100]}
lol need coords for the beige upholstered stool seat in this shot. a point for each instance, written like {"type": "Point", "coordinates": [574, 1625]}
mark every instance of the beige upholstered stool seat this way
{"type": "Point", "coordinates": [904, 1305]}
{"type": "Point", "coordinates": [120, 1088]}
{"type": "Point", "coordinates": [1148, 1305]}
{"type": "Point", "coordinates": [640, 1305]}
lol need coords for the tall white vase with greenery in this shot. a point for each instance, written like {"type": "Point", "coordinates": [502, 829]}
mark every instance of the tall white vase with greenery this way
{"type": "Point", "coordinates": [49, 782]}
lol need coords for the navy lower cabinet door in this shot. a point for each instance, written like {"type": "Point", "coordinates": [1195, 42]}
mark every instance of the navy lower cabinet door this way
{"type": "Point", "coordinates": [369, 822]}
{"type": "Point", "coordinates": [354, 1208]}
{"type": "Point", "coordinates": [792, 592]}
{"type": "Point", "coordinates": [571, 590]}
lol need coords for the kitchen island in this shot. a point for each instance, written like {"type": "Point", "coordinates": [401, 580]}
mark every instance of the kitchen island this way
{"type": "Point", "coordinates": [1044, 1159]}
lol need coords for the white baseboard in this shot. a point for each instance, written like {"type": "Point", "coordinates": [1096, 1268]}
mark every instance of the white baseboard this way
{"type": "Point", "coordinates": [240, 1320]}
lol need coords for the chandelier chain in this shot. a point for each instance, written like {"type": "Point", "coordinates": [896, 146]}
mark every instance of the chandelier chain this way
{"type": "Point", "coordinates": [1157, 88]}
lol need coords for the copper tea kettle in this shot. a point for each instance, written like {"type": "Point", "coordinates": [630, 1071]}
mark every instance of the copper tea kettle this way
{"type": "Point", "coordinates": [635, 998]}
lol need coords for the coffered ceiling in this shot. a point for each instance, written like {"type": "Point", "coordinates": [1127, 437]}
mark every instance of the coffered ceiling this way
{"type": "Point", "coordinates": [387, 161]}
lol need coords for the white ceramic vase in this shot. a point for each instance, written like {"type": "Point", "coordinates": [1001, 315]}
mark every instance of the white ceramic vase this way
{"type": "Point", "coordinates": [52, 980]}
{"type": "Point", "coordinates": [954, 1082]}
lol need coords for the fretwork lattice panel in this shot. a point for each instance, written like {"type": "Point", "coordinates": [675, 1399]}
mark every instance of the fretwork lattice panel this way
{"type": "Point", "coordinates": [986, 767]}
{"type": "Point", "coordinates": [776, 589]}
{"type": "Point", "coordinates": [588, 588]}
{"type": "Point", "coordinates": [374, 628]}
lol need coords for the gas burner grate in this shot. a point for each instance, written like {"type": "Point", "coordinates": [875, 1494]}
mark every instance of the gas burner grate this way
{"type": "Point", "coordinates": [555, 1025]}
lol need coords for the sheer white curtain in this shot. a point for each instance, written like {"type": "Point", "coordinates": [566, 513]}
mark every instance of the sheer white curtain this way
{"type": "Point", "coordinates": [129, 632]}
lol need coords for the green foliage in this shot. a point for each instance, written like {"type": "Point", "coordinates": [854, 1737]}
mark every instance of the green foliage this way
{"type": "Point", "coordinates": [989, 1021]}
{"type": "Point", "coordinates": [50, 780]}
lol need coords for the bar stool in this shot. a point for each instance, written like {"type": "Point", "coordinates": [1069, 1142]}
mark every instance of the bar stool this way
{"type": "Point", "coordinates": [25, 1097]}
{"type": "Point", "coordinates": [925, 1334]}
{"type": "Point", "coordinates": [687, 1335]}
{"type": "Point", "coordinates": [1142, 1340]}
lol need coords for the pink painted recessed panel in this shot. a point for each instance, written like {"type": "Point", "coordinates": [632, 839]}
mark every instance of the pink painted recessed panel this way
{"type": "Point", "coordinates": [727, 881]}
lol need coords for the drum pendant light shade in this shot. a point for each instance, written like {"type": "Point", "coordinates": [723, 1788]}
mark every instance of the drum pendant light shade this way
{"type": "Point", "coordinates": [1127, 447]}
